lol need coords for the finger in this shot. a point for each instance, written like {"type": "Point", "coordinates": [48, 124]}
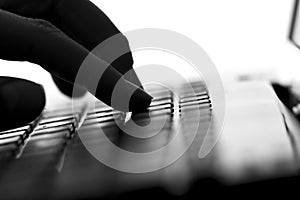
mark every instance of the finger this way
{"type": "Point", "coordinates": [67, 88]}
{"type": "Point", "coordinates": [82, 21]}
{"type": "Point", "coordinates": [90, 26]}
{"type": "Point", "coordinates": [40, 42]}
{"type": "Point", "coordinates": [21, 102]}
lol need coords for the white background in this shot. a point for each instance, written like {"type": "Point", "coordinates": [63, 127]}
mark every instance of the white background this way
{"type": "Point", "coordinates": [240, 36]}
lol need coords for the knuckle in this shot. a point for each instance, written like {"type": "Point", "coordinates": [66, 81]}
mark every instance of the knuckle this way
{"type": "Point", "coordinates": [43, 24]}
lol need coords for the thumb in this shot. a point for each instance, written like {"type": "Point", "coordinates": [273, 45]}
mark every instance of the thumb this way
{"type": "Point", "coordinates": [21, 101]}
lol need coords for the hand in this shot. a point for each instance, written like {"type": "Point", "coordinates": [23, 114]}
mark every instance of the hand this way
{"type": "Point", "coordinates": [57, 35]}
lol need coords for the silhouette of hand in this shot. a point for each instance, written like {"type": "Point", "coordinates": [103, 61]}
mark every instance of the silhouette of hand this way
{"type": "Point", "coordinates": [58, 35]}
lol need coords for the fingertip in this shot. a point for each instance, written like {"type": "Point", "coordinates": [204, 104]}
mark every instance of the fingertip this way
{"type": "Point", "coordinates": [139, 101]}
